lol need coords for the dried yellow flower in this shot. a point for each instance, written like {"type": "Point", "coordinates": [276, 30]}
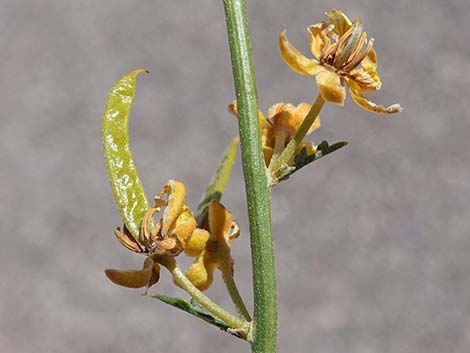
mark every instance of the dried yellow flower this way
{"type": "Point", "coordinates": [343, 56]}
{"type": "Point", "coordinates": [221, 232]}
{"type": "Point", "coordinates": [284, 119]}
{"type": "Point", "coordinates": [166, 238]}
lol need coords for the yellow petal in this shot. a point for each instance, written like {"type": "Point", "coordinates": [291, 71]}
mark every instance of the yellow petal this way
{"type": "Point", "coordinates": [268, 153]}
{"type": "Point", "coordinates": [197, 242]}
{"type": "Point", "coordinates": [279, 115]}
{"type": "Point", "coordinates": [267, 135]}
{"type": "Point", "coordinates": [309, 147]}
{"type": "Point", "coordinates": [340, 21]}
{"type": "Point", "coordinates": [364, 103]}
{"type": "Point", "coordinates": [220, 221]}
{"type": "Point", "coordinates": [366, 78]}
{"type": "Point", "coordinates": [234, 232]}
{"type": "Point", "coordinates": [330, 87]}
{"type": "Point", "coordinates": [318, 38]}
{"type": "Point", "coordinates": [176, 194]}
{"type": "Point", "coordinates": [295, 59]}
{"type": "Point", "coordinates": [289, 118]}
{"type": "Point", "coordinates": [201, 274]}
{"type": "Point", "coordinates": [184, 226]}
{"type": "Point", "coordinates": [370, 59]}
{"type": "Point", "coordinates": [279, 108]}
{"type": "Point", "coordinates": [132, 278]}
{"type": "Point", "coordinates": [232, 108]}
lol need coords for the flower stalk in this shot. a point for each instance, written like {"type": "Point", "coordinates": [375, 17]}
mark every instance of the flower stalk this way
{"type": "Point", "coordinates": [181, 280]}
{"type": "Point", "coordinates": [264, 327]}
{"type": "Point", "coordinates": [227, 276]}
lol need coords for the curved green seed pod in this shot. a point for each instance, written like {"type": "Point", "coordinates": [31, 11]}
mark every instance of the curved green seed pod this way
{"type": "Point", "coordinates": [122, 173]}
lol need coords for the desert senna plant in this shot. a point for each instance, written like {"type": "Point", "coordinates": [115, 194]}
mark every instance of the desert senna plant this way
{"type": "Point", "coordinates": [273, 147]}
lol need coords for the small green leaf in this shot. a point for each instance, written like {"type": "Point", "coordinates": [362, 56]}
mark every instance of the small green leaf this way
{"type": "Point", "coordinates": [302, 158]}
{"type": "Point", "coordinates": [219, 180]}
{"type": "Point", "coordinates": [192, 308]}
{"type": "Point", "coordinates": [122, 173]}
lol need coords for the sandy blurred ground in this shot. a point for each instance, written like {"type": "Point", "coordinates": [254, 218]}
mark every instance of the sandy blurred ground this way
{"type": "Point", "coordinates": [372, 243]}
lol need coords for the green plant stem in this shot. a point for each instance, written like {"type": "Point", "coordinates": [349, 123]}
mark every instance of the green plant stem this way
{"type": "Point", "coordinates": [263, 335]}
{"type": "Point", "coordinates": [201, 298]}
{"type": "Point", "coordinates": [226, 270]}
{"type": "Point", "coordinates": [289, 151]}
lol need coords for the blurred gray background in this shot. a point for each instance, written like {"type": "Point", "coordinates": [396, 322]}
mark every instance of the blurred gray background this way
{"type": "Point", "coordinates": [372, 243]}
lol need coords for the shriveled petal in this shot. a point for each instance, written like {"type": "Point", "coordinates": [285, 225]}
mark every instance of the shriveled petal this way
{"type": "Point", "coordinates": [370, 59]}
{"type": "Point", "coordinates": [268, 154]}
{"type": "Point", "coordinates": [340, 21]}
{"type": "Point", "coordinates": [318, 38]}
{"type": "Point", "coordinates": [364, 103]}
{"type": "Point", "coordinates": [176, 194]}
{"type": "Point", "coordinates": [155, 232]}
{"type": "Point", "coordinates": [289, 118]}
{"type": "Point", "coordinates": [234, 232]}
{"type": "Point", "coordinates": [279, 115]}
{"type": "Point", "coordinates": [330, 87]}
{"type": "Point", "coordinates": [201, 274]}
{"type": "Point", "coordinates": [267, 135]}
{"type": "Point", "coordinates": [220, 221]}
{"type": "Point", "coordinates": [366, 78]}
{"type": "Point", "coordinates": [133, 278]}
{"type": "Point", "coordinates": [296, 61]}
{"type": "Point", "coordinates": [155, 274]}
{"type": "Point", "coordinates": [309, 147]}
{"type": "Point", "coordinates": [127, 240]}
{"type": "Point", "coordinates": [167, 247]}
{"type": "Point", "coordinates": [147, 230]}
{"type": "Point", "coordinates": [184, 226]}
{"type": "Point", "coordinates": [197, 242]}
{"type": "Point", "coordinates": [279, 108]}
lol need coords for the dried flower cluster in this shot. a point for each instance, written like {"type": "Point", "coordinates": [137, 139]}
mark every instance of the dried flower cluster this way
{"type": "Point", "coordinates": [343, 57]}
{"type": "Point", "coordinates": [174, 233]}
